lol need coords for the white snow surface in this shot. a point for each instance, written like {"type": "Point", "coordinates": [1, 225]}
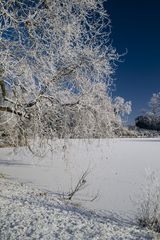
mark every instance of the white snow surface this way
{"type": "Point", "coordinates": [117, 170]}
{"type": "Point", "coordinates": [28, 213]}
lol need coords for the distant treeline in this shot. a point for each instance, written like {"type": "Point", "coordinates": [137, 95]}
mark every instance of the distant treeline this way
{"type": "Point", "coordinates": [150, 122]}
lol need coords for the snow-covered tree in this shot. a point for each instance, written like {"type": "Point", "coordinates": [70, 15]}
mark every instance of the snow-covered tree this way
{"type": "Point", "coordinates": [56, 66]}
{"type": "Point", "coordinates": [155, 104]}
{"type": "Point", "coordinates": [151, 119]}
{"type": "Point", "coordinates": [122, 107]}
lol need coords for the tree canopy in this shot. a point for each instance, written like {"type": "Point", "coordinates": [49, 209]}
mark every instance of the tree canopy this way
{"type": "Point", "coordinates": [57, 64]}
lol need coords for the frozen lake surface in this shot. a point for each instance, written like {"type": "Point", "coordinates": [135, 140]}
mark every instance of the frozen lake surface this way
{"type": "Point", "coordinates": [117, 170]}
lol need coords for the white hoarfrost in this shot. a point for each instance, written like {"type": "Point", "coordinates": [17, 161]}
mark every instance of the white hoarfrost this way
{"type": "Point", "coordinates": [56, 67]}
{"type": "Point", "coordinates": [28, 213]}
{"type": "Point", "coordinates": [155, 104]}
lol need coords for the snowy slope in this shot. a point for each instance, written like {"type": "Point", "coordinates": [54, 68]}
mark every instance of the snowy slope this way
{"type": "Point", "coordinates": [27, 213]}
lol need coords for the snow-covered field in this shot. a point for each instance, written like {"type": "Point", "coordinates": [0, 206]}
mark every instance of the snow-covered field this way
{"type": "Point", "coordinates": [116, 175]}
{"type": "Point", "coordinates": [117, 170]}
{"type": "Point", "coordinates": [28, 213]}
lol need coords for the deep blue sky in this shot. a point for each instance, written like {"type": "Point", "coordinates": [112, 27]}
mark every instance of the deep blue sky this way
{"type": "Point", "coordinates": [136, 27]}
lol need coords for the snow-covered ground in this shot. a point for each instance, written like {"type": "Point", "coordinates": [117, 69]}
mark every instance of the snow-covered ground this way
{"type": "Point", "coordinates": [117, 169]}
{"type": "Point", "coordinates": [27, 213]}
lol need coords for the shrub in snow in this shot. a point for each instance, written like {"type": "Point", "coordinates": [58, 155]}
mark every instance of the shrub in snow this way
{"type": "Point", "coordinates": [149, 205]}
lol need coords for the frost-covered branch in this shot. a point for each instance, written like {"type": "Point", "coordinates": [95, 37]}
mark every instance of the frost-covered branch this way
{"type": "Point", "coordinates": [57, 64]}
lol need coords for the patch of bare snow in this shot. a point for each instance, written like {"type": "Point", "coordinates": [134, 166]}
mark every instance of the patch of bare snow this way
{"type": "Point", "coordinates": [28, 213]}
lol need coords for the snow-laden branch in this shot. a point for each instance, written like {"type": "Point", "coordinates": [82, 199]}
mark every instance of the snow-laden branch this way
{"type": "Point", "coordinates": [57, 64]}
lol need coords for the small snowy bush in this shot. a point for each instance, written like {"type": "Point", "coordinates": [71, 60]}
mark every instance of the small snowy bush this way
{"type": "Point", "coordinates": [149, 208]}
